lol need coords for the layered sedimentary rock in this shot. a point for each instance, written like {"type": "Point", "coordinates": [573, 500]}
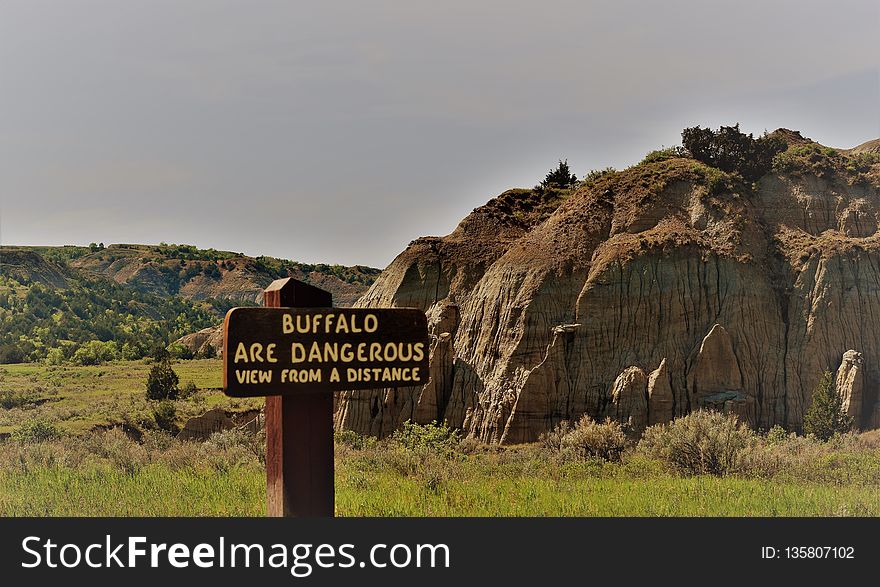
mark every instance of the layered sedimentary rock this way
{"type": "Point", "coordinates": [629, 398]}
{"type": "Point", "coordinates": [207, 342]}
{"type": "Point", "coordinates": [660, 403]}
{"type": "Point", "coordinates": [850, 383]}
{"type": "Point", "coordinates": [642, 295]}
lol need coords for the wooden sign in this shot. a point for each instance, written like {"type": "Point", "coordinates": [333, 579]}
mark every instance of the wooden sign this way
{"type": "Point", "coordinates": [283, 351]}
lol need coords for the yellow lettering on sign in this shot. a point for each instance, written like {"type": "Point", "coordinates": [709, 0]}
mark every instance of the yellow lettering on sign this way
{"type": "Point", "coordinates": [287, 324]}
{"type": "Point", "coordinates": [297, 352]}
{"type": "Point", "coordinates": [315, 353]}
{"type": "Point", "coordinates": [334, 374]}
{"type": "Point", "coordinates": [270, 353]}
{"type": "Point", "coordinates": [371, 323]}
{"type": "Point", "coordinates": [301, 376]}
{"type": "Point", "coordinates": [240, 353]}
{"type": "Point", "coordinates": [418, 351]}
{"type": "Point", "coordinates": [302, 325]}
{"type": "Point", "coordinates": [253, 376]}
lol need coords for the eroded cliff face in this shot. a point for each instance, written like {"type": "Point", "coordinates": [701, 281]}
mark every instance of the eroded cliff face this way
{"type": "Point", "coordinates": [643, 295]}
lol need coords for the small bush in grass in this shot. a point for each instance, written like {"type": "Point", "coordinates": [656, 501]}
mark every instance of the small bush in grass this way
{"type": "Point", "coordinates": [352, 439]}
{"type": "Point", "coordinates": [433, 436]}
{"type": "Point", "coordinates": [162, 381]}
{"type": "Point", "coordinates": [590, 439]}
{"type": "Point", "coordinates": [586, 439]}
{"type": "Point", "coordinates": [13, 399]}
{"type": "Point", "coordinates": [36, 431]}
{"type": "Point", "coordinates": [188, 390]}
{"type": "Point", "coordinates": [552, 439]}
{"type": "Point", "coordinates": [236, 440]}
{"type": "Point", "coordinates": [777, 435]}
{"type": "Point", "coordinates": [701, 443]}
{"type": "Point", "coordinates": [164, 413]}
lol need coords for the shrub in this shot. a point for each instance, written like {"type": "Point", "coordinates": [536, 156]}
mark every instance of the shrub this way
{"type": "Point", "coordinates": [180, 351]}
{"type": "Point", "coordinates": [54, 356]}
{"type": "Point", "coordinates": [162, 382]}
{"type": "Point", "coordinates": [586, 439]}
{"type": "Point", "coordinates": [732, 151]}
{"type": "Point", "coordinates": [164, 414]}
{"type": "Point", "coordinates": [597, 174]}
{"type": "Point", "coordinates": [777, 435]}
{"type": "Point", "coordinates": [95, 352]}
{"type": "Point", "coordinates": [552, 439]}
{"type": "Point", "coordinates": [700, 443]}
{"type": "Point", "coordinates": [10, 353]}
{"type": "Point", "coordinates": [188, 390]}
{"type": "Point", "coordinates": [352, 439]}
{"type": "Point", "coordinates": [664, 154]}
{"type": "Point", "coordinates": [34, 431]}
{"type": "Point", "coordinates": [433, 436]}
{"type": "Point", "coordinates": [591, 439]}
{"type": "Point", "coordinates": [14, 399]}
{"type": "Point", "coordinates": [826, 417]}
{"type": "Point", "coordinates": [560, 177]}
{"type": "Point", "coordinates": [809, 158]}
{"type": "Point", "coordinates": [236, 440]}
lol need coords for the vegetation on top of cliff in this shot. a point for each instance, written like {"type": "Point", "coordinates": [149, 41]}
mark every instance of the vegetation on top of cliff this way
{"type": "Point", "coordinates": [814, 159]}
{"type": "Point", "coordinates": [783, 151]}
{"type": "Point", "coordinates": [733, 151]}
{"type": "Point", "coordinates": [526, 207]}
{"type": "Point", "coordinates": [560, 177]}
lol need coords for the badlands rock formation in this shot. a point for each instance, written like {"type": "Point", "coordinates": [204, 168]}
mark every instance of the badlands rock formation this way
{"type": "Point", "coordinates": [643, 295]}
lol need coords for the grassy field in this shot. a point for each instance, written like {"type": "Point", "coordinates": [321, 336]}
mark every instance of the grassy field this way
{"type": "Point", "coordinates": [79, 399]}
{"type": "Point", "coordinates": [93, 471]}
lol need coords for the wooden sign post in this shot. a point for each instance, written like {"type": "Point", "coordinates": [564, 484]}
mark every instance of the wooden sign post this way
{"type": "Point", "coordinates": [296, 351]}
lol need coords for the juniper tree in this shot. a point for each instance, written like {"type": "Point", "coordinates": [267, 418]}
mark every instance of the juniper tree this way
{"type": "Point", "coordinates": [826, 416]}
{"type": "Point", "coordinates": [560, 177]}
{"type": "Point", "coordinates": [162, 382]}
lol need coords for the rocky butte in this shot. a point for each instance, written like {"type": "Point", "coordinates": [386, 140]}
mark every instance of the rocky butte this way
{"type": "Point", "coordinates": [645, 294]}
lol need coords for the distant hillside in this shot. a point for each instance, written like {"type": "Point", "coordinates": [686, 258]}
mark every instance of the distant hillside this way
{"type": "Point", "coordinates": [58, 316]}
{"type": "Point", "coordinates": [201, 274]}
{"type": "Point", "coordinates": [31, 267]}
{"type": "Point", "coordinates": [92, 304]}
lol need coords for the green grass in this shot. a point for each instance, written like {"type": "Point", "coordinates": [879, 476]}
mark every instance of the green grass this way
{"type": "Point", "coordinates": [468, 486]}
{"type": "Point", "coordinates": [156, 490]}
{"type": "Point", "coordinates": [90, 471]}
{"type": "Point", "coordinates": [658, 496]}
{"type": "Point", "coordinates": [79, 399]}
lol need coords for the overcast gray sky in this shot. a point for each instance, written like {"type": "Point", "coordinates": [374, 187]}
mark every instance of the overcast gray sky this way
{"type": "Point", "coordinates": [339, 131]}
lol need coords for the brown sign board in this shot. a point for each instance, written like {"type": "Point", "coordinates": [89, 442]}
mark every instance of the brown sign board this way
{"type": "Point", "coordinates": [283, 351]}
